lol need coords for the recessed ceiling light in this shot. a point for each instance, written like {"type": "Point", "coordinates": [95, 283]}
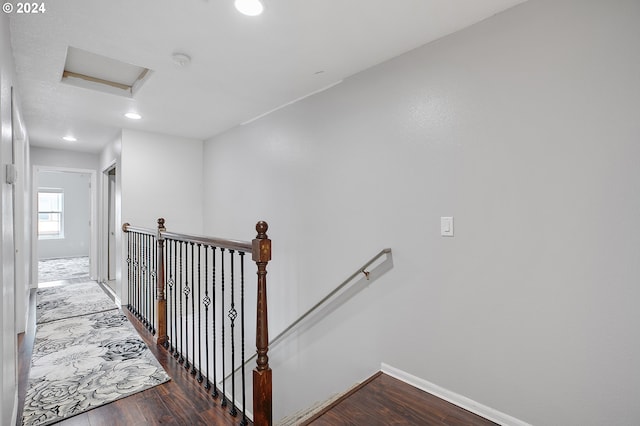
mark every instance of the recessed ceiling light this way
{"type": "Point", "coordinates": [249, 7]}
{"type": "Point", "coordinates": [69, 138]}
{"type": "Point", "coordinates": [133, 115]}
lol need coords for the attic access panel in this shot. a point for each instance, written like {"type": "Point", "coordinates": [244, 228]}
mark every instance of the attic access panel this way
{"type": "Point", "coordinates": [96, 72]}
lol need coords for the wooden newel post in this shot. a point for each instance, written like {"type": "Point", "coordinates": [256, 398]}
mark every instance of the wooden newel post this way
{"type": "Point", "coordinates": [161, 303]}
{"type": "Point", "coordinates": [262, 400]}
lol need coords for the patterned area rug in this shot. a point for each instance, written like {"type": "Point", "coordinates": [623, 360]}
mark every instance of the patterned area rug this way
{"type": "Point", "coordinates": [85, 354]}
{"type": "Point", "coordinates": [63, 268]}
{"type": "Point", "coordinates": [71, 300]}
{"type": "Point", "coordinates": [83, 362]}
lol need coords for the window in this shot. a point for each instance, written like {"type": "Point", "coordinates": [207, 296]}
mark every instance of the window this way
{"type": "Point", "coordinates": [50, 213]}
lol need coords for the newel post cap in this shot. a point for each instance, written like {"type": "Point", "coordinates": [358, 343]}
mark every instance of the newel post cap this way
{"type": "Point", "coordinates": [261, 245]}
{"type": "Point", "coordinates": [161, 229]}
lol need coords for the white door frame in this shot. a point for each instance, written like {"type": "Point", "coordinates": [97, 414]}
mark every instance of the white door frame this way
{"type": "Point", "coordinates": [21, 218]}
{"type": "Point", "coordinates": [93, 231]}
{"type": "Point", "coordinates": [104, 230]}
{"type": "Point", "coordinates": [110, 209]}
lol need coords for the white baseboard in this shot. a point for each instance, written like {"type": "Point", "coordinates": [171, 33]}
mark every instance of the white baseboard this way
{"type": "Point", "coordinates": [14, 412]}
{"type": "Point", "coordinates": [454, 398]}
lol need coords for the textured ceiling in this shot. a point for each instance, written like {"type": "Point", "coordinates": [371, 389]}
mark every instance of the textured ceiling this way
{"type": "Point", "coordinates": [241, 66]}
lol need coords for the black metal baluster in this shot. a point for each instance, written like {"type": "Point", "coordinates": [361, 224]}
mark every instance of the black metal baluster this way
{"type": "Point", "coordinates": [129, 265]}
{"type": "Point", "coordinates": [206, 302]}
{"type": "Point", "coordinates": [136, 267]}
{"type": "Point", "coordinates": [154, 282]}
{"type": "Point", "coordinates": [151, 285]}
{"type": "Point", "coordinates": [193, 314]}
{"type": "Point", "coordinates": [224, 371]}
{"type": "Point", "coordinates": [232, 317]}
{"type": "Point", "coordinates": [244, 396]}
{"type": "Point", "coordinates": [214, 393]}
{"type": "Point", "coordinates": [133, 274]}
{"type": "Point", "coordinates": [200, 378]}
{"type": "Point", "coordinates": [179, 353]}
{"type": "Point", "coordinates": [175, 301]}
{"type": "Point", "coordinates": [145, 280]}
{"type": "Point", "coordinates": [187, 291]}
{"type": "Point", "coordinates": [142, 281]}
{"type": "Point", "coordinates": [141, 278]}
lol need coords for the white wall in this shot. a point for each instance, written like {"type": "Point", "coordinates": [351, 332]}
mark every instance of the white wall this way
{"type": "Point", "coordinates": [524, 128]}
{"type": "Point", "coordinates": [8, 369]}
{"type": "Point", "coordinates": [59, 158]}
{"type": "Point", "coordinates": [162, 176]}
{"type": "Point", "coordinates": [77, 215]}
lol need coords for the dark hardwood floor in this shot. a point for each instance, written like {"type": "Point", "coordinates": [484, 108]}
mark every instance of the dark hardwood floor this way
{"type": "Point", "coordinates": [181, 401]}
{"type": "Point", "coordinates": [384, 401]}
{"type": "Point", "coordinates": [381, 400]}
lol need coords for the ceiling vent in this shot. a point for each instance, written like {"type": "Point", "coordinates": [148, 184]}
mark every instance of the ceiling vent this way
{"type": "Point", "coordinates": [92, 71]}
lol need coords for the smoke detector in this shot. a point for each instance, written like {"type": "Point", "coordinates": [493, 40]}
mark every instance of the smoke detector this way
{"type": "Point", "coordinates": [182, 59]}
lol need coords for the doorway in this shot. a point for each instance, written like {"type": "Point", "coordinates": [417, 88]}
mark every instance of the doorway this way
{"type": "Point", "coordinates": [64, 212]}
{"type": "Point", "coordinates": [79, 226]}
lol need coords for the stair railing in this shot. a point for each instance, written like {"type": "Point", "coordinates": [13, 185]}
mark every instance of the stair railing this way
{"type": "Point", "coordinates": [365, 270]}
{"type": "Point", "coordinates": [175, 269]}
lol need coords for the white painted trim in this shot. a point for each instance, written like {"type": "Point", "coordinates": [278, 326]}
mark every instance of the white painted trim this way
{"type": "Point", "coordinates": [14, 412]}
{"type": "Point", "coordinates": [108, 289]}
{"type": "Point", "coordinates": [452, 397]}
{"type": "Point", "coordinates": [103, 261]}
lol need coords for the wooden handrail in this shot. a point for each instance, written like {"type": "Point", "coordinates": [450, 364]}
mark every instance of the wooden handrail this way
{"type": "Point", "coordinates": [126, 227]}
{"type": "Point", "coordinates": [243, 246]}
{"type": "Point", "coordinates": [362, 270]}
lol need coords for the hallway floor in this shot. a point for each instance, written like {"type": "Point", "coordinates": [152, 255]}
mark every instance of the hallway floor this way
{"type": "Point", "coordinates": [181, 401]}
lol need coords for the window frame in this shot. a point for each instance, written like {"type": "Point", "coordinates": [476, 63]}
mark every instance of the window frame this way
{"type": "Point", "coordinates": [52, 235]}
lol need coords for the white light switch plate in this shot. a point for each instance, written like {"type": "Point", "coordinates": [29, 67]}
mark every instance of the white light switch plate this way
{"type": "Point", "coordinates": [446, 226]}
